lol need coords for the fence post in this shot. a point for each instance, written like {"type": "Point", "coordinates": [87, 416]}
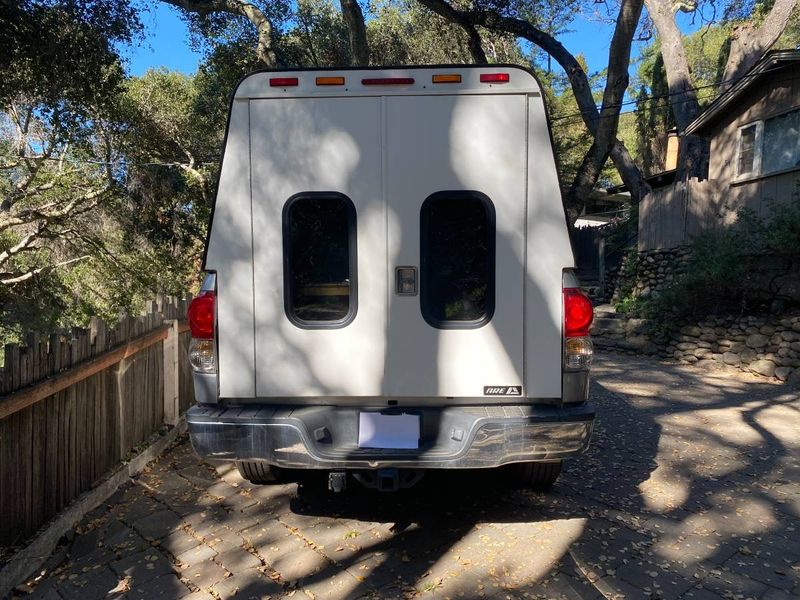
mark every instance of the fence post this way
{"type": "Point", "coordinates": [172, 409]}
{"type": "Point", "coordinates": [601, 266]}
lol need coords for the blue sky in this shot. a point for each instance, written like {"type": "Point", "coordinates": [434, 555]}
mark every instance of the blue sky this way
{"type": "Point", "coordinates": [166, 41]}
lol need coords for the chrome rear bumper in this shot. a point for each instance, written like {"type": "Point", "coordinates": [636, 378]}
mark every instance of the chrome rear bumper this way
{"type": "Point", "coordinates": [325, 437]}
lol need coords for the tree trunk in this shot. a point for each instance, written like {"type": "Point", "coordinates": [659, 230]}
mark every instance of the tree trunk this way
{"type": "Point", "coordinates": [748, 43]}
{"type": "Point", "coordinates": [605, 136]}
{"type": "Point", "coordinates": [354, 18]}
{"type": "Point", "coordinates": [683, 97]}
{"type": "Point", "coordinates": [631, 175]}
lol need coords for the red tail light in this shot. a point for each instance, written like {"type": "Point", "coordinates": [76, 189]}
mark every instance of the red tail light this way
{"type": "Point", "coordinates": [578, 313]}
{"type": "Point", "coordinates": [201, 316]}
{"type": "Point", "coordinates": [387, 81]}
{"type": "Point", "coordinates": [494, 78]}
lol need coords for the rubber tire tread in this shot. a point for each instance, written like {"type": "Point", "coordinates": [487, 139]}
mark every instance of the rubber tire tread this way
{"type": "Point", "coordinates": [536, 475]}
{"type": "Point", "coordinates": [258, 473]}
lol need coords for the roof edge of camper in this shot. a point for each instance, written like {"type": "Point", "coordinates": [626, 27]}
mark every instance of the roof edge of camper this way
{"type": "Point", "coordinates": [377, 81]}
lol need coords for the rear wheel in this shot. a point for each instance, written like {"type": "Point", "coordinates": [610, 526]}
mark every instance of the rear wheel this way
{"type": "Point", "coordinates": [535, 475]}
{"type": "Point", "coordinates": [259, 472]}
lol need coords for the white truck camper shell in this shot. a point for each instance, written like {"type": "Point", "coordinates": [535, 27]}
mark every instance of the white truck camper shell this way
{"type": "Point", "coordinates": [389, 241]}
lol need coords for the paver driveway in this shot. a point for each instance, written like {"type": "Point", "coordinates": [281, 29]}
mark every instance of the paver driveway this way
{"type": "Point", "coordinates": [691, 490]}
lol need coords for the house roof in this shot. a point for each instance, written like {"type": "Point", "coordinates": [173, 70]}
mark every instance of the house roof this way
{"type": "Point", "coordinates": [770, 62]}
{"type": "Point", "coordinates": [656, 181]}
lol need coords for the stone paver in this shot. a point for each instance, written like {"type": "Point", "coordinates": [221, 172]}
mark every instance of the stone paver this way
{"type": "Point", "coordinates": [690, 491]}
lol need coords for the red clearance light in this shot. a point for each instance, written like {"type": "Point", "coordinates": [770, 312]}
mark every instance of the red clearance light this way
{"type": "Point", "coordinates": [494, 77]}
{"type": "Point", "coordinates": [201, 316]}
{"type": "Point", "coordinates": [283, 81]}
{"type": "Point", "coordinates": [388, 81]}
{"type": "Point", "coordinates": [578, 313]}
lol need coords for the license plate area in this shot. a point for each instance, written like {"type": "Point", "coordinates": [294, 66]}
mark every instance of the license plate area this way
{"type": "Point", "coordinates": [392, 431]}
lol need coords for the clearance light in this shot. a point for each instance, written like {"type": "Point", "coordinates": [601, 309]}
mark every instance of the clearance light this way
{"type": "Point", "coordinates": [330, 80]}
{"type": "Point", "coordinates": [388, 81]}
{"type": "Point", "coordinates": [494, 77]}
{"type": "Point", "coordinates": [283, 81]}
{"type": "Point", "coordinates": [446, 78]}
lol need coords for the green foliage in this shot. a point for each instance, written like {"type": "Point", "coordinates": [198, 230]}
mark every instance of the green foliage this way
{"type": "Point", "coordinates": [733, 270]}
{"type": "Point", "coordinates": [404, 32]}
{"type": "Point", "coordinates": [63, 51]}
{"type": "Point", "coordinates": [115, 202]}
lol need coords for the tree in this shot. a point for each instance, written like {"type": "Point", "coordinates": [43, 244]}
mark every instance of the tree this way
{"type": "Point", "coordinates": [357, 30]}
{"type": "Point", "coordinates": [63, 51]}
{"type": "Point", "coordinates": [746, 47]}
{"type": "Point", "coordinates": [88, 224]}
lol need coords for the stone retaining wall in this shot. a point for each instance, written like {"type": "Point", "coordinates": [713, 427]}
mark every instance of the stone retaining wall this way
{"type": "Point", "coordinates": [766, 346]}
{"type": "Point", "coordinates": [652, 271]}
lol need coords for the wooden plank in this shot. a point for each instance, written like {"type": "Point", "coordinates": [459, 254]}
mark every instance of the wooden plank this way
{"type": "Point", "coordinates": [52, 456]}
{"type": "Point", "coordinates": [38, 463]}
{"type": "Point", "coordinates": [18, 400]}
{"type": "Point", "coordinates": [72, 444]}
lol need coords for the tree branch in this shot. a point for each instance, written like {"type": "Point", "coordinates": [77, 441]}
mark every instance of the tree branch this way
{"type": "Point", "coordinates": [31, 274]}
{"type": "Point", "coordinates": [605, 136]}
{"type": "Point", "coordinates": [748, 43]}
{"type": "Point", "coordinates": [264, 50]}
{"type": "Point", "coordinates": [460, 18]}
{"type": "Point", "coordinates": [24, 244]}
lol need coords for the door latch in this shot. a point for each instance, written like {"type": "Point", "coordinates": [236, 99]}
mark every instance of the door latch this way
{"type": "Point", "coordinates": [406, 281]}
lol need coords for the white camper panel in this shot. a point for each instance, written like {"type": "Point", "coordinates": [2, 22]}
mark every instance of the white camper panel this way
{"type": "Point", "coordinates": [317, 145]}
{"type": "Point", "coordinates": [389, 149]}
{"type": "Point", "coordinates": [230, 254]}
{"type": "Point", "coordinates": [456, 144]}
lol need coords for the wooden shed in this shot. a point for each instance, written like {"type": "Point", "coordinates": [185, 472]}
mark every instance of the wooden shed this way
{"type": "Point", "coordinates": [754, 133]}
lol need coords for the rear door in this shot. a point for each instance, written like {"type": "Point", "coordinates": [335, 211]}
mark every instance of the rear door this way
{"type": "Point", "coordinates": [455, 189]}
{"type": "Point", "coordinates": [319, 247]}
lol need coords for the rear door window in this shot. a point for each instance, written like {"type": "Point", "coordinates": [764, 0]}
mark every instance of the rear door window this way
{"type": "Point", "coordinates": [457, 266]}
{"type": "Point", "coordinates": [319, 246]}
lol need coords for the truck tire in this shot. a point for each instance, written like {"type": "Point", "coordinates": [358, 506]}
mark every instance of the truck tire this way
{"type": "Point", "coordinates": [259, 472]}
{"type": "Point", "coordinates": [535, 475]}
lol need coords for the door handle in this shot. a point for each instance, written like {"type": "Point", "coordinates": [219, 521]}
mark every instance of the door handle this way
{"type": "Point", "coordinates": [405, 281]}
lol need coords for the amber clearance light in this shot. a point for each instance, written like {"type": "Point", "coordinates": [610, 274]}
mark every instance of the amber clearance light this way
{"type": "Point", "coordinates": [330, 80]}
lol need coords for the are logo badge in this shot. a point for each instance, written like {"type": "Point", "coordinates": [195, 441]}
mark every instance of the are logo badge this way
{"type": "Point", "coordinates": [502, 390]}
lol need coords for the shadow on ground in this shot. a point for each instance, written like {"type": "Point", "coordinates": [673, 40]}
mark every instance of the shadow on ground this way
{"type": "Point", "coordinates": [690, 490]}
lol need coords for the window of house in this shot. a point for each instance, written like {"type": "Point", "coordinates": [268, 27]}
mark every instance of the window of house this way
{"type": "Point", "coordinates": [781, 145]}
{"type": "Point", "coordinates": [457, 266]}
{"type": "Point", "coordinates": [747, 150]}
{"type": "Point", "coordinates": [319, 247]}
{"type": "Point", "coordinates": [769, 146]}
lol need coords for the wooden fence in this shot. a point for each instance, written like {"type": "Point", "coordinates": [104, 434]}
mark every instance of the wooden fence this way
{"type": "Point", "coordinates": [74, 406]}
{"type": "Point", "coordinates": [670, 216]}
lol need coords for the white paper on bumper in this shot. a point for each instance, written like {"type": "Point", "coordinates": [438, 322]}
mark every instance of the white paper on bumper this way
{"type": "Point", "coordinates": [388, 431]}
